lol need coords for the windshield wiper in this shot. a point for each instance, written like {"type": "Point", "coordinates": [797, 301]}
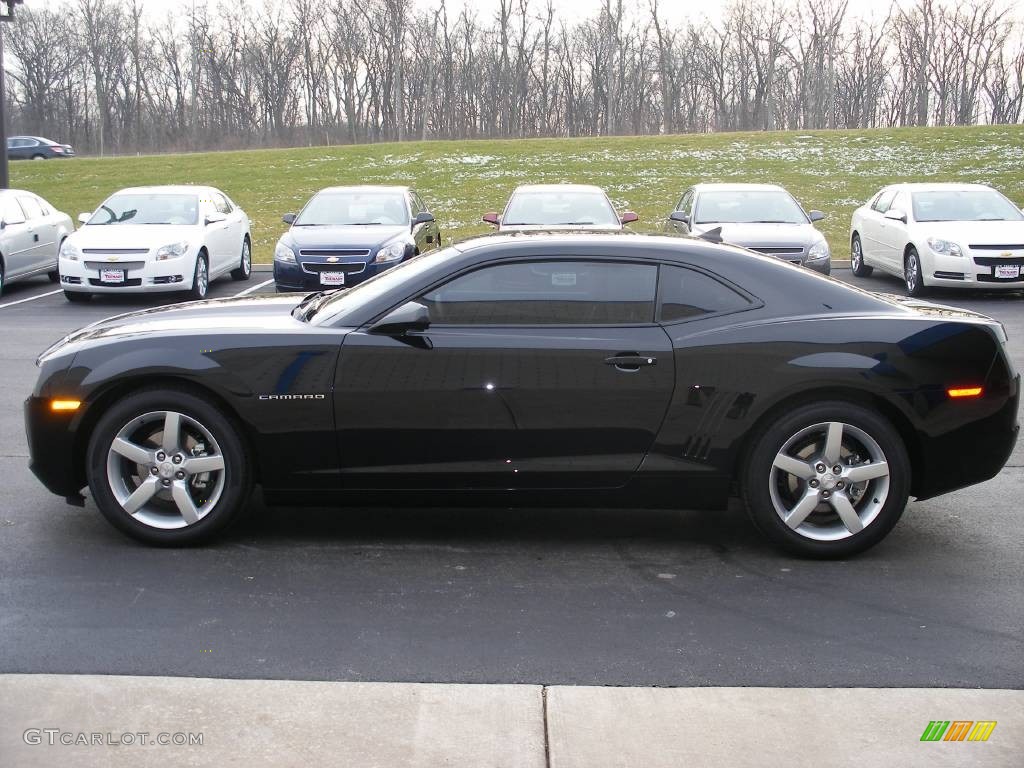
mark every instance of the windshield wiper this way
{"type": "Point", "coordinates": [771, 221]}
{"type": "Point", "coordinates": [572, 223]}
{"type": "Point", "coordinates": [365, 223]}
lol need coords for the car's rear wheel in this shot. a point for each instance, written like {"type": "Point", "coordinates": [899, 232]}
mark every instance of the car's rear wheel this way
{"type": "Point", "coordinates": [2, 275]}
{"type": "Point", "coordinates": [827, 480]}
{"type": "Point", "coordinates": [201, 278]}
{"type": "Point", "coordinates": [857, 265]}
{"type": "Point", "coordinates": [244, 270]}
{"type": "Point", "coordinates": [38, 157]}
{"type": "Point", "coordinates": [167, 467]}
{"type": "Point", "coordinates": [913, 276]}
{"type": "Point", "coordinates": [77, 298]}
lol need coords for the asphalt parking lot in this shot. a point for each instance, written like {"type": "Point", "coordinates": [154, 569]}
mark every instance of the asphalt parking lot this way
{"type": "Point", "coordinates": [557, 596]}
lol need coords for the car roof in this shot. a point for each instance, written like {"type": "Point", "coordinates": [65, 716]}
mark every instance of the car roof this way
{"type": "Point", "coordinates": [367, 188]}
{"type": "Point", "coordinates": [937, 186]}
{"type": "Point", "coordinates": [728, 187]}
{"type": "Point", "coordinates": [536, 188]}
{"type": "Point", "coordinates": [168, 189]}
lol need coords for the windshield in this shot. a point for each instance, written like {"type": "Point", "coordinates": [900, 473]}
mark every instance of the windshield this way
{"type": "Point", "coordinates": [964, 205]}
{"type": "Point", "coordinates": [559, 208]}
{"type": "Point", "coordinates": [748, 207]}
{"type": "Point", "coordinates": [148, 209]}
{"type": "Point", "coordinates": [354, 208]}
{"type": "Point", "coordinates": [341, 302]}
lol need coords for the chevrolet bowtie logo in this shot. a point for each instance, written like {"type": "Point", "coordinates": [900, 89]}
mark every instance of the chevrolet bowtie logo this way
{"type": "Point", "coordinates": [332, 259]}
{"type": "Point", "coordinates": [112, 258]}
{"type": "Point", "coordinates": [1006, 254]}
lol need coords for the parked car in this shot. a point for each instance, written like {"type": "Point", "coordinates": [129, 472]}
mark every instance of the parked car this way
{"type": "Point", "coordinates": [31, 234]}
{"type": "Point", "coordinates": [541, 369]}
{"type": "Point", "coordinates": [940, 235]}
{"type": "Point", "coordinates": [157, 239]}
{"type": "Point", "coordinates": [345, 235]}
{"type": "Point", "coordinates": [36, 148]}
{"type": "Point", "coordinates": [563, 207]}
{"type": "Point", "coordinates": [761, 217]}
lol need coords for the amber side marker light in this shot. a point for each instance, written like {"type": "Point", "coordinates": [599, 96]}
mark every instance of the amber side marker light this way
{"type": "Point", "coordinates": [965, 392]}
{"type": "Point", "coordinates": [65, 405]}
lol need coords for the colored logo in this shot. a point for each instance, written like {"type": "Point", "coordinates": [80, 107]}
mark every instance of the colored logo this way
{"type": "Point", "coordinates": [332, 259]}
{"type": "Point", "coordinates": [958, 730]}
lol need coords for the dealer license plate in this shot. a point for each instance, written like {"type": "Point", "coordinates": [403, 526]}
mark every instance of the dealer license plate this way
{"type": "Point", "coordinates": [112, 275]}
{"type": "Point", "coordinates": [1007, 271]}
{"type": "Point", "coordinates": [332, 278]}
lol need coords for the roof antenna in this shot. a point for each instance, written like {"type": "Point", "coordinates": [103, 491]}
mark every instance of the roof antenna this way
{"type": "Point", "coordinates": [712, 235]}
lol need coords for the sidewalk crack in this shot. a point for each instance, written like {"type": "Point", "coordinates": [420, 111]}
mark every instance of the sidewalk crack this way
{"type": "Point", "coordinates": [547, 740]}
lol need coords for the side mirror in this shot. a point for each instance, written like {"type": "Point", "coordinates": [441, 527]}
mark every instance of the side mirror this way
{"type": "Point", "coordinates": [83, 218]}
{"type": "Point", "coordinates": [628, 217]}
{"type": "Point", "coordinates": [215, 218]}
{"type": "Point", "coordinates": [423, 217]}
{"type": "Point", "coordinates": [3, 224]}
{"type": "Point", "coordinates": [815, 215]}
{"type": "Point", "coordinates": [492, 218]}
{"type": "Point", "coordinates": [288, 218]}
{"type": "Point", "coordinates": [894, 214]}
{"type": "Point", "coordinates": [679, 216]}
{"type": "Point", "coordinates": [411, 316]}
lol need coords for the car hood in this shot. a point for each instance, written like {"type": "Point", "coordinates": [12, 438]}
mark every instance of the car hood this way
{"type": "Point", "coordinates": [965, 233]}
{"type": "Point", "coordinates": [134, 235]}
{"type": "Point", "coordinates": [246, 314]}
{"type": "Point", "coordinates": [354, 237]}
{"type": "Point", "coordinates": [764, 234]}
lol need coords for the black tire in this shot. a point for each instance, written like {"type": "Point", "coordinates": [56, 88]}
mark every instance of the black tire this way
{"type": "Point", "coordinates": [913, 276]}
{"type": "Point", "coordinates": [201, 278]}
{"type": "Point", "coordinates": [54, 276]}
{"type": "Point", "coordinates": [237, 479]}
{"type": "Point", "coordinates": [764, 486]}
{"type": "Point", "coordinates": [857, 265]}
{"type": "Point", "coordinates": [77, 298]}
{"type": "Point", "coordinates": [244, 271]}
{"type": "Point", "coordinates": [38, 157]}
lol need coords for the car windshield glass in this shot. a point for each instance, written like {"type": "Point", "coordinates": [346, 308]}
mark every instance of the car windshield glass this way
{"type": "Point", "coordinates": [559, 208]}
{"type": "Point", "coordinates": [354, 208]}
{"type": "Point", "coordinates": [341, 302]}
{"type": "Point", "coordinates": [148, 209]}
{"type": "Point", "coordinates": [748, 207]}
{"type": "Point", "coordinates": [964, 205]}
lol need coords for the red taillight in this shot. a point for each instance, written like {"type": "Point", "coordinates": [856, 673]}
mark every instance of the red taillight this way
{"type": "Point", "coordinates": [965, 391]}
{"type": "Point", "coordinates": [57, 149]}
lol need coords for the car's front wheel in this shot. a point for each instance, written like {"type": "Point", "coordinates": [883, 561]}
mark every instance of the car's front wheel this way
{"type": "Point", "coordinates": [201, 278]}
{"type": "Point", "coordinates": [827, 480]}
{"type": "Point", "coordinates": [167, 467]}
{"type": "Point", "coordinates": [857, 265]}
{"type": "Point", "coordinates": [76, 297]}
{"type": "Point", "coordinates": [244, 269]}
{"type": "Point", "coordinates": [913, 276]}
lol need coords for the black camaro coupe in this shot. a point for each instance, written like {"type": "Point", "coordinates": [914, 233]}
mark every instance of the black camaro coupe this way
{"type": "Point", "coordinates": [546, 370]}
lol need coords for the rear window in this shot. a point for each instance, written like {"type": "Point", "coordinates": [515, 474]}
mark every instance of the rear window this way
{"type": "Point", "coordinates": [686, 293]}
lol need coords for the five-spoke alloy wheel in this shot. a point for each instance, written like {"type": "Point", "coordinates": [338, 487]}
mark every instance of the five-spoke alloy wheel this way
{"type": "Point", "coordinates": [827, 480]}
{"type": "Point", "coordinates": [167, 468]}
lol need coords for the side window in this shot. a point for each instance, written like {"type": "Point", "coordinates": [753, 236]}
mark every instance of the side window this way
{"type": "Point", "coordinates": [884, 200]}
{"type": "Point", "coordinates": [221, 203]}
{"type": "Point", "coordinates": [421, 207]}
{"type": "Point", "coordinates": [686, 203]}
{"type": "Point", "coordinates": [684, 293]}
{"type": "Point", "coordinates": [31, 207]}
{"type": "Point", "coordinates": [11, 212]}
{"type": "Point", "coordinates": [547, 293]}
{"type": "Point", "coordinates": [44, 206]}
{"type": "Point", "coordinates": [901, 202]}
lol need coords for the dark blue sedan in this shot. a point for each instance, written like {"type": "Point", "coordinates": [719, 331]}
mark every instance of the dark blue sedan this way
{"type": "Point", "coordinates": [345, 235]}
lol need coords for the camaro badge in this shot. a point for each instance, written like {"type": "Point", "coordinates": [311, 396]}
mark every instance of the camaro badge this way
{"type": "Point", "coordinates": [293, 397]}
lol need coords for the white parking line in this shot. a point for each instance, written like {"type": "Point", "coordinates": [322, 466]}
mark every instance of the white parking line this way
{"type": "Point", "coordinates": [31, 298]}
{"type": "Point", "coordinates": [254, 288]}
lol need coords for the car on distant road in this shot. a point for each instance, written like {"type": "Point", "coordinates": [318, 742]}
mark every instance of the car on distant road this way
{"type": "Point", "coordinates": [579, 369]}
{"type": "Point", "coordinates": [345, 235]}
{"type": "Point", "coordinates": [157, 239]}
{"type": "Point", "coordinates": [940, 236]}
{"type": "Point", "coordinates": [762, 217]}
{"type": "Point", "coordinates": [562, 207]}
{"type": "Point", "coordinates": [36, 148]}
{"type": "Point", "coordinates": [31, 234]}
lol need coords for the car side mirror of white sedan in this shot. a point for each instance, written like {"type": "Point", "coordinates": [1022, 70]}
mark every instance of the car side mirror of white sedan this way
{"type": "Point", "coordinates": [896, 215]}
{"type": "Point", "coordinates": [215, 218]}
{"type": "Point", "coordinates": [83, 218]}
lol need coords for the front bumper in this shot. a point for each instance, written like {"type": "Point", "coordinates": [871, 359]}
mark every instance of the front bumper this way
{"type": "Point", "coordinates": [976, 269]}
{"type": "Point", "coordinates": [141, 274]}
{"type": "Point", "coordinates": [51, 441]}
{"type": "Point", "coordinates": [301, 277]}
{"type": "Point", "coordinates": [824, 266]}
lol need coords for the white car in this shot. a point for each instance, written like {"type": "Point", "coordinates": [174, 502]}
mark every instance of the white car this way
{"type": "Point", "coordinates": [157, 239]}
{"type": "Point", "coordinates": [940, 235]}
{"type": "Point", "coordinates": [31, 234]}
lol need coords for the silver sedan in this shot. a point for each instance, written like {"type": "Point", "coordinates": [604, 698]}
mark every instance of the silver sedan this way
{"type": "Point", "coordinates": [31, 233]}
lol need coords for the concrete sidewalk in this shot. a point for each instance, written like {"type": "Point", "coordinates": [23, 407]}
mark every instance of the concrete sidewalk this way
{"type": "Point", "coordinates": [307, 724]}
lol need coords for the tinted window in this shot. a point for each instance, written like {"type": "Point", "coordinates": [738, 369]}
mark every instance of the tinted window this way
{"type": "Point", "coordinates": [31, 207]}
{"type": "Point", "coordinates": [686, 203]}
{"type": "Point", "coordinates": [884, 200]}
{"type": "Point", "coordinates": [748, 206]}
{"type": "Point", "coordinates": [547, 293]}
{"type": "Point", "coordinates": [11, 212]}
{"type": "Point", "coordinates": [344, 207]}
{"type": "Point", "coordinates": [220, 203]}
{"type": "Point", "coordinates": [687, 293]}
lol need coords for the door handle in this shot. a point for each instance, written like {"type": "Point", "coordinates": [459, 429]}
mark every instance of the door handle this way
{"type": "Point", "coordinates": [630, 361]}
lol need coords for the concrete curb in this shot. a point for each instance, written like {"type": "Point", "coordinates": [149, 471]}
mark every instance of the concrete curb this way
{"type": "Point", "coordinates": [294, 723]}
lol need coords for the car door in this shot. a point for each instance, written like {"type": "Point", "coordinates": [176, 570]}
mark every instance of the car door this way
{"type": "Point", "coordinates": [532, 374]}
{"type": "Point", "coordinates": [44, 234]}
{"type": "Point", "coordinates": [216, 235]}
{"type": "Point", "coordinates": [872, 228]}
{"type": "Point", "coordinates": [17, 240]}
{"type": "Point", "coordinates": [893, 234]}
{"type": "Point", "coordinates": [234, 227]}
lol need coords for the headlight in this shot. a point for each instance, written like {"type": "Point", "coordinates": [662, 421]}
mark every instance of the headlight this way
{"type": "Point", "coordinates": [283, 253]}
{"type": "Point", "coordinates": [68, 251]}
{"type": "Point", "coordinates": [819, 251]}
{"type": "Point", "coordinates": [944, 247]}
{"type": "Point", "coordinates": [172, 251]}
{"type": "Point", "coordinates": [391, 252]}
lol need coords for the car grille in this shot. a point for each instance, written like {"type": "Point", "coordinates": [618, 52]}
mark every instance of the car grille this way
{"type": "Point", "coordinates": [133, 283]}
{"type": "Point", "coordinates": [772, 250]}
{"type": "Point", "coordinates": [983, 278]}
{"type": "Point", "coordinates": [115, 251]}
{"type": "Point", "coordinates": [991, 261]}
{"type": "Point", "coordinates": [126, 265]}
{"type": "Point", "coordinates": [984, 247]}
{"type": "Point", "coordinates": [348, 267]}
{"type": "Point", "coordinates": [327, 252]}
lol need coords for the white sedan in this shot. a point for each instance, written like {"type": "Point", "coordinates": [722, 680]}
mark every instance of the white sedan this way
{"type": "Point", "coordinates": [940, 235]}
{"type": "Point", "coordinates": [31, 233]}
{"type": "Point", "coordinates": [157, 239]}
